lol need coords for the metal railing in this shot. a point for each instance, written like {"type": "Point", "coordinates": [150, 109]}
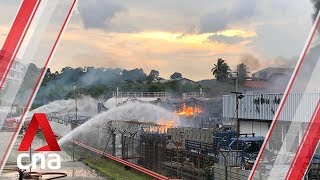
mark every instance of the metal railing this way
{"type": "Point", "coordinates": [193, 95]}
{"type": "Point", "coordinates": [141, 95]}
{"type": "Point", "coordinates": [136, 167]}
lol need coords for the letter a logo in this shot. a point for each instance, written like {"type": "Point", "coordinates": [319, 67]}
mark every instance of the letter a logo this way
{"type": "Point", "coordinates": [39, 120]}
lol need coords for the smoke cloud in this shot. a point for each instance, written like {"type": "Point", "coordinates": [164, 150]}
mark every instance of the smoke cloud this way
{"type": "Point", "coordinates": [316, 5]}
{"type": "Point", "coordinates": [62, 85]}
{"type": "Point", "coordinates": [251, 61]}
{"type": "Point", "coordinates": [255, 64]}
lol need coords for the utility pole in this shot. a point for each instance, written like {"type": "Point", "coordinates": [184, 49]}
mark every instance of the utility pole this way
{"type": "Point", "coordinates": [238, 95]}
{"type": "Point", "coordinates": [76, 120]}
{"type": "Point", "coordinates": [234, 77]}
{"type": "Point", "coordinates": [117, 94]}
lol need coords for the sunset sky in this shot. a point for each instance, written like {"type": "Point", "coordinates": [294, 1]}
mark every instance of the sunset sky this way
{"type": "Point", "coordinates": [179, 35]}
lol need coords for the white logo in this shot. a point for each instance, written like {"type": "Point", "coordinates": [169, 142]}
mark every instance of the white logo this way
{"type": "Point", "coordinates": [54, 161]}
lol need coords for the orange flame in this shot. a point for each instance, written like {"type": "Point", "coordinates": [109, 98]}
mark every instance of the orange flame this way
{"type": "Point", "coordinates": [188, 111]}
{"type": "Point", "coordinates": [166, 124]}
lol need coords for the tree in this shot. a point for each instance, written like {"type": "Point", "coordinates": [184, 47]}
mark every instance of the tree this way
{"type": "Point", "coordinates": [154, 74]}
{"type": "Point", "coordinates": [221, 70]}
{"type": "Point", "coordinates": [243, 72]}
{"type": "Point", "coordinates": [176, 75]}
{"type": "Point", "coordinates": [47, 77]}
{"type": "Point", "coordinates": [134, 75]}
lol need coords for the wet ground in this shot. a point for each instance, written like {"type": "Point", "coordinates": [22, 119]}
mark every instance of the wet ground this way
{"type": "Point", "coordinates": [74, 170]}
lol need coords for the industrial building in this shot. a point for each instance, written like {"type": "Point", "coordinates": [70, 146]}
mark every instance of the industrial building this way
{"type": "Point", "coordinates": [14, 78]}
{"type": "Point", "coordinates": [272, 72]}
{"type": "Point", "coordinates": [256, 113]}
{"type": "Point", "coordinates": [16, 73]}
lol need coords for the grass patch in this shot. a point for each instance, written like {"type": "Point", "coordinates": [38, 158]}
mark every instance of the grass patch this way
{"type": "Point", "coordinates": [113, 170]}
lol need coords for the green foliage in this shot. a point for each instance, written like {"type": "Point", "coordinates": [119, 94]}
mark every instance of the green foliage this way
{"type": "Point", "coordinates": [134, 75]}
{"type": "Point", "coordinates": [221, 70]}
{"type": "Point", "coordinates": [154, 74]}
{"type": "Point", "coordinates": [101, 82]}
{"type": "Point", "coordinates": [176, 88]}
{"type": "Point", "coordinates": [156, 87]}
{"type": "Point", "coordinates": [207, 169]}
{"type": "Point", "coordinates": [243, 72]}
{"type": "Point", "coordinates": [176, 75]}
{"type": "Point", "coordinates": [112, 170]}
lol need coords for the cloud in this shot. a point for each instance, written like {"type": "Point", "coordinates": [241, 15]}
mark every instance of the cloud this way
{"type": "Point", "coordinates": [219, 20]}
{"type": "Point", "coordinates": [151, 34]}
{"type": "Point", "coordinates": [98, 13]}
{"type": "Point", "coordinates": [191, 55]}
{"type": "Point", "coordinates": [213, 22]}
{"type": "Point", "coordinates": [227, 39]}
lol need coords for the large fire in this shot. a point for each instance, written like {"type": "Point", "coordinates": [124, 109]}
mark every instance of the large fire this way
{"type": "Point", "coordinates": [188, 111]}
{"type": "Point", "coordinates": [184, 111]}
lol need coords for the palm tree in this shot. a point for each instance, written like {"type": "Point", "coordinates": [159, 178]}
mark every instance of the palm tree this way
{"type": "Point", "coordinates": [220, 70]}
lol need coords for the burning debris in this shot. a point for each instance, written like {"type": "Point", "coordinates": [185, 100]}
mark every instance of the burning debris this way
{"type": "Point", "coordinates": [167, 124]}
{"type": "Point", "coordinates": [189, 111]}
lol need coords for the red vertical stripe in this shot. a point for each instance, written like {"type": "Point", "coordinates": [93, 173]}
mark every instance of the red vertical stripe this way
{"type": "Point", "coordinates": [306, 148]}
{"type": "Point", "coordinates": [286, 94]}
{"type": "Point", "coordinates": [16, 33]}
